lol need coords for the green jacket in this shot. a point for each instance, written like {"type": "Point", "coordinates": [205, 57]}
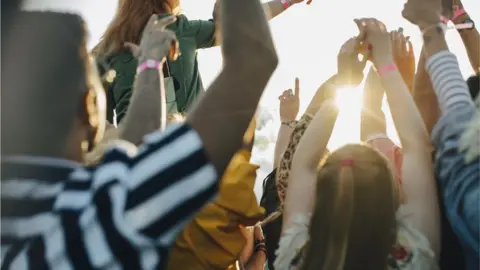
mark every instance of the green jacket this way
{"type": "Point", "coordinates": [192, 35]}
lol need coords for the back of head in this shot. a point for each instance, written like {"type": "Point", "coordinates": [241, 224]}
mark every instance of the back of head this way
{"type": "Point", "coordinates": [129, 22]}
{"type": "Point", "coordinates": [43, 82]}
{"type": "Point", "coordinates": [474, 86]}
{"type": "Point", "coordinates": [353, 225]}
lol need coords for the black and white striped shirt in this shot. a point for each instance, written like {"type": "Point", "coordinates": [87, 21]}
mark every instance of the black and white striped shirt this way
{"type": "Point", "coordinates": [122, 214]}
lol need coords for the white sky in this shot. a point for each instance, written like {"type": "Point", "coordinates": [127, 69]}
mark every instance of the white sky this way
{"type": "Point", "coordinates": [307, 40]}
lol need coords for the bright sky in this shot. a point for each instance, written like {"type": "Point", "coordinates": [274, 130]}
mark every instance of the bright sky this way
{"type": "Point", "coordinates": [307, 39]}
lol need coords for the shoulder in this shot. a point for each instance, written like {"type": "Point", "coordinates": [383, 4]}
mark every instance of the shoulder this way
{"type": "Point", "coordinates": [187, 27]}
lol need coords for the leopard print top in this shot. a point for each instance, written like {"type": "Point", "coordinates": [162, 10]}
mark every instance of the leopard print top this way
{"type": "Point", "coordinates": [285, 164]}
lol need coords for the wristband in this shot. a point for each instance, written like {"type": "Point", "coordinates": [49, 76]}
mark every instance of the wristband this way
{"type": "Point", "coordinates": [458, 13]}
{"type": "Point", "coordinates": [444, 20]}
{"type": "Point", "coordinates": [286, 3]}
{"type": "Point", "coordinates": [149, 64]}
{"type": "Point", "coordinates": [381, 71]}
{"type": "Point", "coordinates": [439, 26]}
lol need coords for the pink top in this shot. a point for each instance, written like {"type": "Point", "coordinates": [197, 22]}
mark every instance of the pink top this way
{"type": "Point", "coordinates": [390, 150]}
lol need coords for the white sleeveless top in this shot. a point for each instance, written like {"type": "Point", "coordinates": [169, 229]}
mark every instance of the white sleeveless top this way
{"type": "Point", "coordinates": [411, 252]}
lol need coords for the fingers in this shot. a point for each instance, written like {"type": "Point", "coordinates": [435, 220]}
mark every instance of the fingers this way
{"type": "Point", "coordinates": [361, 24]}
{"type": "Point", "coordinates": [285, 95]}
{"type": "Point", "coordinates": [409, 46]}
{"type": "Point", "coordinates": [309, 2]}
{"type": "Point", "coordinates": [164, 22]}
{"type": "Point", "coordinates": [297, 87]}
{"type": "Point", "coordinates": [403, 45]}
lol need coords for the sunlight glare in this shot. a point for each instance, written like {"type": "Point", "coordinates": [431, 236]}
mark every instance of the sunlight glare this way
{"type": "Point", "coordinates": [347, 127]}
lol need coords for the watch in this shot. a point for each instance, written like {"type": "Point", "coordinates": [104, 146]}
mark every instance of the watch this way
{"type": "Point", "coordinates": [468, 21]}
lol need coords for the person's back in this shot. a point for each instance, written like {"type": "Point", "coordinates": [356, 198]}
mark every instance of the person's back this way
{"type": "Point", "coordinates": [183, 83]}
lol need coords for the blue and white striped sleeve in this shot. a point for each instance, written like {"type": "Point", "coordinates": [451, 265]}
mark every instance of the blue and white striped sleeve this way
{"type": "Point", "coordinates": [133, 204]}
{"type": "Point", "coordinates": [459, 181]}
{"type": "Point", "coordinates": [448, 82]}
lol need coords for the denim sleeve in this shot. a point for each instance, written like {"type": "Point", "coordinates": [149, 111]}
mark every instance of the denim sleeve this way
{"type": "Point", "coordinates": [459, 181]}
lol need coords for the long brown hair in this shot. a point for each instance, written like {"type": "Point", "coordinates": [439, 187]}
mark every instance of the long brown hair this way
{"type": "Point", "coordinates": [129, 22]}
{"type": "Point", "coordinates": [353, 225]}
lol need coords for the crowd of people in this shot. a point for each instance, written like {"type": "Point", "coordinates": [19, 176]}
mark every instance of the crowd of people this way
{"type": "Point", "coordinates": [117, 158]}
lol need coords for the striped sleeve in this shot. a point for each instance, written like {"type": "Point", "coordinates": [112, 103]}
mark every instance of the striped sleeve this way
{"type": "Point", "coordinates": [127, 209]}
{"type": "Point", "coordinates": [451, 88]}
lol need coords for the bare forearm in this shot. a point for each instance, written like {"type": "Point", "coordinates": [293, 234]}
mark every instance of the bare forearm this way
{"type": "Point", "coordinates": [408, 122]}
{"type": "Point", "coordinates": [146, 112]}
{"type": "Point", "coordinates": [310, 151]}
{"type": "Point", "coordinates": [471, 39]}
{"type": "Point", "coordinates": [424, 96]}
{"type": "Point", "coordinates": [246, 40]}
{"type": "Point", "coordinates": [257, 261]}
{"type": "Point", "coordinates": [325, 92]}
{"type": "Point", "coordinates": [372, 116]}
{"type": "Point", "coordinates": [282, 142]}
{"type": "Point", "coordinates": [273, 9]}
{"type": "Point", "coordinates": [434, 41]}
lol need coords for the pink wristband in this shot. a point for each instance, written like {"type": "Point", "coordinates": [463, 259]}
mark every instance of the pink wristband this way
{"type": "Point", "coordinates": [458, 13]}
{"type": "Point", "coordinates": [149, 64]}
{"type": "Point", "coordinates": [444, 20]}
{"type": "Point", "coordinates": [386, 69]}
{"type": "Point", "coordinates": [286, 3]}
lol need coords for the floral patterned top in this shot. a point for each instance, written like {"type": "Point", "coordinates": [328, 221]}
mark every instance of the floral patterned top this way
{"type": "Point", "coordinates": [411, 252]}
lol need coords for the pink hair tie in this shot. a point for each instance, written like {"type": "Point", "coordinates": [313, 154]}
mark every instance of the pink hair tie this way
{"type": "Point", "coordinates": [347, 162]}
{"type": "Point", "coordinates": [391, 67]}
{"type": "Point", "coordinates": [444, 20]}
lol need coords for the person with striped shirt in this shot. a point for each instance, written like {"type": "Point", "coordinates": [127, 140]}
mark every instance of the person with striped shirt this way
{"type": "Point", "coordinates": [459, 179]}
{"type": "Point", "coordinates": [125, 212]}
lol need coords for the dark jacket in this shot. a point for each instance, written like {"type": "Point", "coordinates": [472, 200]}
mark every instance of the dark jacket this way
{"type": "Point", "coordinates": [192, 35]}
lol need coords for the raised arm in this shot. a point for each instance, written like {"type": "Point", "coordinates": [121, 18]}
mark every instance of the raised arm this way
{"type": "Point", "coordinates": [310, 151]}
{"type": "Point", "coordinates": [470, 37]}
{"type": "Point", "coordinates": [146, 112]}
{"type": "Point", "coordinates": [372, 117]}
{"type": "Point", "coordinates": [300, 195]}
{"type": "Point", "coordinates": [417, 171]}
{"type": "Point", "coordinates": [289, 106]}
{"type": "Point", "coordinates": [350, 72]}
{"type": "Point", "coordinates": [424, 95]}
{"type": "Point", "coordinates": [459, 180]}
{"type": "Point", "coordinates": [249, 57]}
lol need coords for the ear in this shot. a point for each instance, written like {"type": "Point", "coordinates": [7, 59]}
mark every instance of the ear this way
{"type": "Point", "coordinates": [94, 117]}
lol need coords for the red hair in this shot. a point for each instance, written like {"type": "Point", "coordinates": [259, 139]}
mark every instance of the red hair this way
{"type": "Point", "coordinates": [129, 22]}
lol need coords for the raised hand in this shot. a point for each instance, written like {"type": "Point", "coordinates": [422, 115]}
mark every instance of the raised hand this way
{"type": "Point", "coordinates": [157, 42]}
{"type": "Point", "coordinates": [350, 69]}
{"type": "Point", "coordinates": [374, 33]}
{"type": "Point", "coordinates": [290, 103]}
{"type": "Point", "coordinates": [404, 56]}
{"type": "Point", "coordinates": [423, 13]}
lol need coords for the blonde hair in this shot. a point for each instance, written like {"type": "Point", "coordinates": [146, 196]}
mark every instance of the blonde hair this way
{"type": "Point", "coordinates": [353, 224]}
